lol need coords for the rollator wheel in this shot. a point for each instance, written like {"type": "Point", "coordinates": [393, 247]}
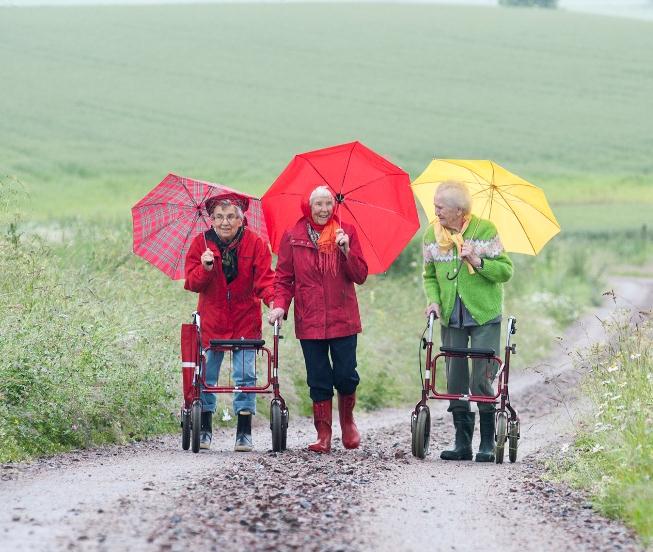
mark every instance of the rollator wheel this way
{"type": "Point", "coordinates": [276, 425]}
{"type": "Point", "coordinates": [499, 448]}
{"type": "Point", "coordinates": [513, 440]}
{"type": "Point", "coordinates": [284, 434]}
{"type": "Point", "coordinates": [196, 423]}
{"type": "Point", "coordinates": [185, 429]}
{"type": "Point", "coordinates": [413, 423]}
{"type": "Point", "coordinates": [422, 433]}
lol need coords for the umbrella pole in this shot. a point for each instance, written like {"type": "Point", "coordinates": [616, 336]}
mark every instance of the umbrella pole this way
{"type": "Point", "coordinates": [460, 264]}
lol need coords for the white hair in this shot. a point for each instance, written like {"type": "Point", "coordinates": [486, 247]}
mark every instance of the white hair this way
{"type": "Point", "coordinates": [455, 194]}
{"type": "Point", "coordinates": [320, 191]}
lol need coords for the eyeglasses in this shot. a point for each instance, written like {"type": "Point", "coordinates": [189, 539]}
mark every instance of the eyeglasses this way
{"type": "Point", "coordinates": [230, 218]}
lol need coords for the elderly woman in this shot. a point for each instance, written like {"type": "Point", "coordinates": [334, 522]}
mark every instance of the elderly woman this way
{"type": "Point", "coordinates": [468, 306]}
{"type": "Point", "coordinates": [230, 267]}
{"type": "Point", "coordinates": [319, 262]}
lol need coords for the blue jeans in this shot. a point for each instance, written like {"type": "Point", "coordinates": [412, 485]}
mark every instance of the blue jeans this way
{"type": "Point", "coordinates": [243, 374]}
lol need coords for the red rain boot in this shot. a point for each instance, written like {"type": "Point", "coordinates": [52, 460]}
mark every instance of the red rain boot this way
{"type": "Point", "coordinates": [350, 436]}
{"type": "Point", "coordinates": [322, 420]}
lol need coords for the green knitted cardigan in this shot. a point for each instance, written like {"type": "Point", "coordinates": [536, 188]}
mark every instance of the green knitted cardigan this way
{"type": "Point", "coordinates": [481, 292]}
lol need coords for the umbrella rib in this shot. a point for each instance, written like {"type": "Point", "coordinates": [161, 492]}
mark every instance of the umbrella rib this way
{"type": "Point", "coordinates": [190, 229]}
{"type": "Point", "coordinates": [344, 174]}
{"type": "Point", "coordinates": [176, 204]}
{"type": "Point", "coordinates": [157, 230]}
{"type": "Point", "coordinates": [315, 169]}
{"type": "Point", "coordinates": [380, 208]}
{"type": "Point", "coordinates": [519, 221]}
{"type": "Point", "coordinates": [364, 233]}
{"type": "Point", "coordinates": [374, 180]}
{"type": "Point", "coordinates": [515, 198]}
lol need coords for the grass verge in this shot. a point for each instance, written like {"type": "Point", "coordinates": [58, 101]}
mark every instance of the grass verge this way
{"type": "Point", "coordinates": [91, 333]}
{"type": "Point", "coordinates": [612, 456]}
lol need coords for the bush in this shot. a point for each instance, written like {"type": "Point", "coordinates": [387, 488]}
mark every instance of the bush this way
{"type": "Point", "coordinates": [83, 363]}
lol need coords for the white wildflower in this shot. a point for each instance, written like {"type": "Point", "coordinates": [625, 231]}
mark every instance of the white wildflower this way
{"type": "Point", "coordinates": [635, 356]}
{"type": "Point", "coordinates": [614, 368]}
{"type": "Point", "coordinates": [596, 448]}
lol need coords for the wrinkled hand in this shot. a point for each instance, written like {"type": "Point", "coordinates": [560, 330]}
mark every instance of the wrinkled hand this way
{"type": "Point", "coordinates": [342, 241]}
{"type": "Point", "coordinates": [276, 315]}
{"type": "Point", "coordinates": [433, 307]}
{"type": "Point", "coordinates": [467, 253]}
{"type": "Point", "coordinates": [207, 259]}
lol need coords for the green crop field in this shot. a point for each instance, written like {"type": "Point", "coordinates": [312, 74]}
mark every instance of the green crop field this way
{"type": "Point", "coordinates": [97, 104]}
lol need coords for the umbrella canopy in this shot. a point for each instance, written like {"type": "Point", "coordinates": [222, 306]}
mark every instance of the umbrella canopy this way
{"type": "Point", "coordinates": [371, 193]}
{"type": "Point", "coordinates": [517, 208]}
{"type": "Point", "coordinates": [168, 218]}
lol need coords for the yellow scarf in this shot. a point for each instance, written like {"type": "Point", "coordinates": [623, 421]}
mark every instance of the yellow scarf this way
{"type": "Point", "coordinates": [446, 240]}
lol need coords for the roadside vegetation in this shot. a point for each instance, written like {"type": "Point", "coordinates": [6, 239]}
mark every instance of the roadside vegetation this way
{"type": "Point", "coordinates": [612, 456]}
{"type": "Point", "coordinates": [90, 333]}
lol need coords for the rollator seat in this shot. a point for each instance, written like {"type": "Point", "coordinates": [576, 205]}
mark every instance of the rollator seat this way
{"type": "Point", "coordinates": [489, 353]}
{"type": "Point", "coordinates": [245, 343]}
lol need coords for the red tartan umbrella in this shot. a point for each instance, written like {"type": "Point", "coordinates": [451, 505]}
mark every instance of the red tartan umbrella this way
{"type": "Point", "coordinates": [371, 193]}
{"type": "Point", "coordinates": [168, 218]}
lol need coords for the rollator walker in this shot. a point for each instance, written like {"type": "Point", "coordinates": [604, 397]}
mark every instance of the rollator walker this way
{"type": "Point", "coordinates": [194, 382]}
{"type": "Point", "coordinates": [507, 420]}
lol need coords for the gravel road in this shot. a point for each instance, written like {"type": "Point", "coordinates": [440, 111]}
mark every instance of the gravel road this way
{"type": "Point", "coordinates": [154, 496]}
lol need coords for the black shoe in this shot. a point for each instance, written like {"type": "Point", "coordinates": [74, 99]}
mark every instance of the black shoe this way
{"type": "Point", "coordinates": [206, 430]}
{"type": "Point", "coordinates": [244, 432]}
{"type": "Point", "coordinates": [464, 423]}
{"type": "Point", "coordinates": [486, 449]}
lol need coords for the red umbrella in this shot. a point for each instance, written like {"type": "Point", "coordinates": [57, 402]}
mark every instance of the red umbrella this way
{"type": "Point", "coordinates": [371, 193]}
{"type": "Point", "coordinates": [168, 218]}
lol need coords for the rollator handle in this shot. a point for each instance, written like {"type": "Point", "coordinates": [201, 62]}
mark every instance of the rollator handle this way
{"type": "Point", "coordinates": [512, 329]}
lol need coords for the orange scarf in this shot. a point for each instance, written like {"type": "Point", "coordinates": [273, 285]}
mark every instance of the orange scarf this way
{"type": "Point", "coordinates": [446, 240]}
{"type": "Point", "coordinates": [326, 246]}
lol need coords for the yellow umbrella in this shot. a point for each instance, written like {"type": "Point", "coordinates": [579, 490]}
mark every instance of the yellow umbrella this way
{"type": "Point", "coordinates": [518, 208]}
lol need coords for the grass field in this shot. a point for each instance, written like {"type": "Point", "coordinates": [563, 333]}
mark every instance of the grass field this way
{"type": "Point", "coordinates": [98, 104]}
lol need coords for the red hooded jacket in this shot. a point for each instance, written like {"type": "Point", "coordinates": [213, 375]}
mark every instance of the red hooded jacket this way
{"type": "Point", "coordinates": [325, 304]}
{"type": "Point", "coordinates": [231, 311]}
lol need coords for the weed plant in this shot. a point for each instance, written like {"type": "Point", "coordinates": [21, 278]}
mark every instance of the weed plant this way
{"type": "Point", "coordinates": [90, 333]}
{"type": "Point", "coordinates": [612, 456]}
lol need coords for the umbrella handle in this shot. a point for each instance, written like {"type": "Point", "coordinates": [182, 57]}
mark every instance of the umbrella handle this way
{"type": "Point", "coordinates": [456, 272]}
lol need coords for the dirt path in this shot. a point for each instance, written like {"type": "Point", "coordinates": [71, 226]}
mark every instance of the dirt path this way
{"type": "Point", "coordinates": [154, 496]}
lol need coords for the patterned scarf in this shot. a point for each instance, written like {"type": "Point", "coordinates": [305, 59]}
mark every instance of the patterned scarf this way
{"type": "Point", "coordinates": [228, 252]}
{"type": "Point", "coordinates": [324, 238]}
{"type": "Point", "coordinates": [446, 240]}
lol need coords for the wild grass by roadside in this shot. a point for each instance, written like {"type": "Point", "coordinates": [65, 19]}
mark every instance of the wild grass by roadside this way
{"type": "Point", "coordinates": [91, 332]}
{"type": "Point", "coordinates": [86, 346]}
{"type": "Point", "coordinates": [612, 456]}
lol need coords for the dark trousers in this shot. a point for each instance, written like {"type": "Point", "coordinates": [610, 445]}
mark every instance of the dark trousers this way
{"type": "Point", "coordinates": [321, 375]}
{"type": "Point", "coordinates": [487, 336]}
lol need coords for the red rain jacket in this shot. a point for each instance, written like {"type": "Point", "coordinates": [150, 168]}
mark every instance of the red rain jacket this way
{"type": "Point", "coordinates": [325, 304]}
{"type": "Point", "coordinates": [231, 311]}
